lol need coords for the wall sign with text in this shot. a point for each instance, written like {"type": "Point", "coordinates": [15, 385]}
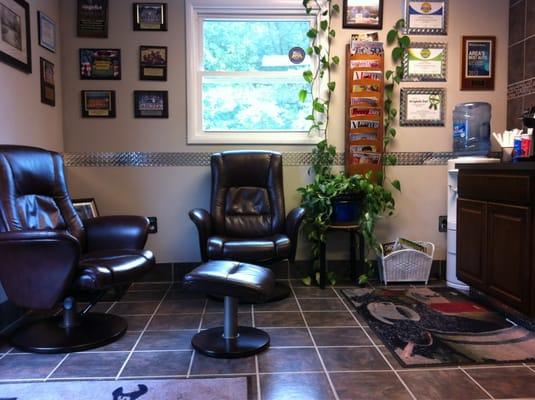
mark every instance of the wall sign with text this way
{"type": "Point", "coordinates": [479, 60]}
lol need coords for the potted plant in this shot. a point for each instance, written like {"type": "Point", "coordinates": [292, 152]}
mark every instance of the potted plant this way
{"type": "Point", "coordinates": [360, 198]}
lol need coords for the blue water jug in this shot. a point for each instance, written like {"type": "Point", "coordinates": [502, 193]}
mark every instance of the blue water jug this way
{"type": "Point", "coordinates": [471, 129]}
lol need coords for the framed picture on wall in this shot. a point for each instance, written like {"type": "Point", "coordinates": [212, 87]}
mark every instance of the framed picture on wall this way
{"type": "Point", "coordinates": [428, 17]}
{"type": "Point", "coordinates": [98, 103]}
{"type": "Point", "coordinates": [363, 14]}
{"type": "Point", "coordinates": [92, 18]}
{"type": "Point", "coordinates": [86, 208]}
{"type": "Point", "coordinates": [47, 31]}
{"type": "Point", "coordinates": [425, 62]}
{"type": "Point", "coordinates": [150, 16]}
{"type": "Point", "coordinates": [478, 62]}
{"type": "Point", "coordinates": [100, 64]}
{"type": "Point", "coordinates": [422, 107]}
{"type": "Point", "coordinates": [151, 104]}
{"type": "Point", "coordinates": [15, 39]}
{"type": "Point", "coordinates": [48, 85]}
{"type": "Point", "coordinates": [153, 63]}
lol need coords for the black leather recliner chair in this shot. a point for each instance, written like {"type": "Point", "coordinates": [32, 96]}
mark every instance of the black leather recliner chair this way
{"type": "Point", "coordinates": [48, 255]}
{"type": "Point", "coordinates": [247, 220]}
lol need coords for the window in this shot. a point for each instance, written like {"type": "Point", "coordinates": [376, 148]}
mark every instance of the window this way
{"type": "Point", "coordinates": [242, 86]}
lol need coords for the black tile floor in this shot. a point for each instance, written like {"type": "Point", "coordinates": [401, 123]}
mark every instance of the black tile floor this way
{"type": "Point", "coordinates": [320, 349]}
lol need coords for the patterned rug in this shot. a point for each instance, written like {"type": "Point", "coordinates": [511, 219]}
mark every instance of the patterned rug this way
{"type": "Point", "coordinates": [425, 327]}
{"type": "Point", "coordinates": [160, 389]}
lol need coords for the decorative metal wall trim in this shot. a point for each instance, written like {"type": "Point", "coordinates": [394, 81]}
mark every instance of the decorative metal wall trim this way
{"type": "Point", "coordinates": [142, 159]}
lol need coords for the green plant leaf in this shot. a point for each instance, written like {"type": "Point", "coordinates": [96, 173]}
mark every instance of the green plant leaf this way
{"type": "Point", "coordinates": [312, 33]}
{"type": "Point", "coordinates": [319, 107]}
{"type": "Point", "coordinates": [363, 279]}
{"type": "Point", "coordinates": [317, 50]}
{"type": "Point", "coordinates": [404, 42]}
{"type": "Point", "coordinates": [391, 36]}
{"type": "Point", "coordinates": [335, 8]}
{"type": "Point", "coordinates": [310, 51]}
{"type": "Point", "coordinates": [336, 60]}
{"type": "Point", "coordinates": [324, 25]}
{"type": "Point", "coordinates": [392, 132]}
{"type": "Point", "coordinates": [307, 281]}
{"type": "Point", "coordinates": [310, 117]}
{"type": "Point", "coordinates": [332, 33]}
{"type": "Point", "coordinates": [400, 24]}
{"type": "Point", "coordinates": [309, 77]}
{"type": "Point", "coordinates": [397, 54]}
{"type": "Point", "coordinates": [302, 95]}
{"type": "Point", "coordinates": [331, 86]}
{"type": "Point", "coordinates": [388, 74]}
{"type": "Point", "coordinates": [396, 184]}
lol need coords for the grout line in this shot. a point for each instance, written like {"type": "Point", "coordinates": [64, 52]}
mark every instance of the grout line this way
{"type": "Point", "coordinates": [198, 330]}
{"type": "Point", "coordinates": [477, 383]}
{"type": "Point", "coordinates": [315, 346]}
{"type": "Point", "coordinates": [56, 367]}
{"type": "Point", "coordinates": [6, 353]}
{"type": "Point", "coordinates": [377, 348]}
{"type": "Point", "coordinates": [257, 370]}
{"type": "Point", "coordinates": [141, 335]}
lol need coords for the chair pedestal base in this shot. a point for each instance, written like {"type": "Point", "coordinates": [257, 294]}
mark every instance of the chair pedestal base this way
{"type": "Point", "coordinates": [48, 336]}
{"type": "Point", "coordinates": [210, 342]}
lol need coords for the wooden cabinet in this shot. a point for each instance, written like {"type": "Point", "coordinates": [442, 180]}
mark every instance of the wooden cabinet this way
{"type": "Point", "coordinates": [495, 233]}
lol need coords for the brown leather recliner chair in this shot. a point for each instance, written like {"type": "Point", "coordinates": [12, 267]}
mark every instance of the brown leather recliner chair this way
{"type": "Point", "coordinates": [247, 221]}
{"type": "Point", "coordinates": [48, 255]}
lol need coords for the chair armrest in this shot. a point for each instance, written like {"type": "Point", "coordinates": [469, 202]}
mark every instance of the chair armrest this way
{"type": "Point", "coordinates": [293, 223]}
{"type": "Point", "coordinates": [203, 222]}
{"type": "Point", "coordinates": [116, 232]}
{"type": "Point", "coordinates": [37, 267]}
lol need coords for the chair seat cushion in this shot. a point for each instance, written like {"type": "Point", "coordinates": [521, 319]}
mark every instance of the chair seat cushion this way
{"type": "Point", "coordinates": [268, 248]}
{"type": "Point", "coordinates": [107, 268]}
{"type": "Point", "coordinates": [231, 278]}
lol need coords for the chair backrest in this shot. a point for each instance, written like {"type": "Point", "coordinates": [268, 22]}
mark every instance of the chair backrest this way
{"type": "Point", "coordinates": [33, 192]}
{"type": "Point", "coordinates": [247, 193]}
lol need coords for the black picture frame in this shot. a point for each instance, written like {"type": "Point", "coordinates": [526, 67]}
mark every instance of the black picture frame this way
{"type": "Point", "coordinates": [46, 28]}
{"type": "Point", "coordinates": [478, 72]}
{"type": "Point", "coordinates": [15, 42]}
{"type": "Point", "coordinates": [153, 63]}
{"type": "Point", "coordinates": [151, 104]}
{"type": "Point", "coordinates": [150, 16]}
{"type": "Point", "coordinates": [48, 83]}
{"type": "Point", "coordinates": [89, 58]}
{"type": "Point", "coordinates": [362, 17]}
{"type": "Point", "coordinates": [86, 208]}
{"type": "Point", "coordinates": [92, 18]}
{"type": "Point", "coordinates": [98, 104]}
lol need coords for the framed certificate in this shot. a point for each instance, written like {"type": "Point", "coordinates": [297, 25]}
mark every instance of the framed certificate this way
{"type": "Point", "coordinates": [150, 16]}
{"type": "Point", "coordinates": [153, 63]}
{"type": "Point", "coordinates": [151, 104]}
{"type": "Point", "coordinates": [100, 64]}
{"type": "Point", "coordinates": [425, 62]}
{"type": "Point", "coordinates": [48, 85]}
{"type": "Point", "coordinates": [47, 31]}
{"type": "Point", "coordinates": [426, 17]}
{"type": "Point", "coordinates": [98, 103]}
{"type": "Point", "coordinates": [422, 107]}
{"type": "Point", "coordinates": [92, 18]}
{"type": "Point", "coordinates": [478, 62]}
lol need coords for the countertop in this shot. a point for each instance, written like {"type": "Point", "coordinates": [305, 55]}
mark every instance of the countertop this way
{"type": "Point", "coordinates": [508, 166]}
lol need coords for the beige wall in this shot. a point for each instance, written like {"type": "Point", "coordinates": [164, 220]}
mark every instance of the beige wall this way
{"type": "Point", "coordinates": [25, 120]}
{"type": "Point", "coordinates": [170, 192]}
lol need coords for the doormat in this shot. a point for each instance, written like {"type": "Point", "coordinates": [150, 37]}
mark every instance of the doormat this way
{"type": "Point", "coordinates": [425, 327]}
{"type": "Point", "coordinates": [157, 389]}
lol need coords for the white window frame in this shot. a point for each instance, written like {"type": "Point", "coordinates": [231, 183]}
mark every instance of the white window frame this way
{"type": "Point", "coordinates": [196, 12]}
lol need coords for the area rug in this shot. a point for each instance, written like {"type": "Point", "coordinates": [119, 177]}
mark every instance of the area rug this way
{"type": "Point", "coordinates": [183, 389]}
{"type": "Point", "coordinates": [425, 327]}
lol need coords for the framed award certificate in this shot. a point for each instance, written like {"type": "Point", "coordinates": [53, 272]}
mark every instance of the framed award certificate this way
{"type": "Point", "coordinates": [422, 107]}
{"type": "Point", "coordinates": [426, 17]}
{"type": "Point", "coordinates": [478, 62]}
{"type": "Point", "coordinates": [425, 62]}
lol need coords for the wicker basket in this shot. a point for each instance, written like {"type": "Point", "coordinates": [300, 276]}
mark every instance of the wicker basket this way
{"type": "Point", "coordinates": [407, 265]}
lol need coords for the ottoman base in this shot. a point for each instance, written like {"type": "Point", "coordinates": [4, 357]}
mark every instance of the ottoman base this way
{"type": "Point", "coordinates": [249, 341]}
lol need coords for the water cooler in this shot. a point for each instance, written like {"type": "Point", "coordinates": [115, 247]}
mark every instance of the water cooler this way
{"type": "Point", "coordinates": [451, 262]}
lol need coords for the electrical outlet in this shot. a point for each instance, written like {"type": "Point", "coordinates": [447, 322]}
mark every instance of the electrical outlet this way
{"type": "Point", "coordinates": [153, 224]}
{"type": "Point", "coordinates": [443, 223]}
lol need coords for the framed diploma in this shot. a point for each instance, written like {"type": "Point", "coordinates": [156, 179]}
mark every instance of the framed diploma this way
{"type": "Point", "coordinates": [92, 18]}
{"type": "Point", "coordinates": [426, 17]}
{"type": "Point", "coordinates": [48, 85]}
{"type": "Point", "coordinates": [47, 31]}
{"type": "Point", "coordinates": [478, 62]}
{"type": "Point", "coordinates": [425, 62]}
{"type": "Point", "coordinates": [422, 107]}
